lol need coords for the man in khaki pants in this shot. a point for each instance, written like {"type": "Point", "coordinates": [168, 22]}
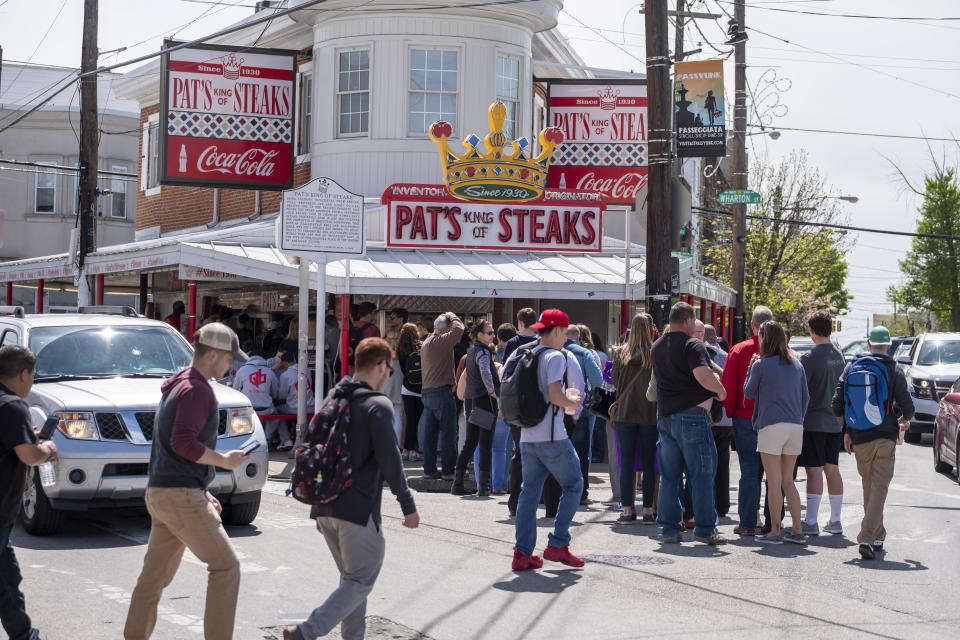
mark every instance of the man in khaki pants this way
{"type": "Point", "coordinates": [184, 514]}
{"type": "Point", "coordinates": [875, 449]}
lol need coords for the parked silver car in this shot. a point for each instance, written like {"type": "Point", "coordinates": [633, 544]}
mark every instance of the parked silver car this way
{"type": "Point", "coordinates": [932, 366]}
{"type": "Point", "coordinates": [101, 375]}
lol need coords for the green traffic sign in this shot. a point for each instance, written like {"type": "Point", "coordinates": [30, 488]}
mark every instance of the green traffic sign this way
{"type": "Point", "coordinates": [739, 196]}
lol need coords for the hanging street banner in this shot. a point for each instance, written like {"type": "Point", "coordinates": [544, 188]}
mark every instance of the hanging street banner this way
{"type": "Point", "coordinates": [739, 196]}
{"type": "Point", "coordinates": [700, 109]}
{"type": "Point", "coordinates": [227, 117]}
{"type": "Point", "coordinates": [426, 216]}
{"type": "Point", "coordinates": [604, 126]}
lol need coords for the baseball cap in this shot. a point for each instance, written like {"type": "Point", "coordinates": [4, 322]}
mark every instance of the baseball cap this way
{"type": "Point", "coordinates": [217, 335]}
{"type": "Point", "coordinates": [551, 318]}
{"type": "Point", "coordinates": [879, 336]}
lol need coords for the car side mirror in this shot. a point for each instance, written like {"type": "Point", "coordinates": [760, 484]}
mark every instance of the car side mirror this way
{"type": "Point", "coordinates": [904, 360]}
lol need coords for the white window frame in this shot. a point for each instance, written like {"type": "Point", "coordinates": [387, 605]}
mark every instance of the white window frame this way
{"type": "Point", "coordinates": [456, 93]}
{"type": "Point", "coordinates": [515, 101]}
{"type": "Point", "coordinates": [305, 74]}
{"type": "Point", "coordinates": [114, 182]}
{"type": "Point", "coordinates": [36, 187]}
{"type": "Point", "coordinates": [149, 161]}
{"type": "Point", "coordinates": [338, 93]}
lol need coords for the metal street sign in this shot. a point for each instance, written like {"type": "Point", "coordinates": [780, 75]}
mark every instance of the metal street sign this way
{"type": "Point", "coordinates": [739, 196]}
{"type": "Point", "coordinates": [321, 217]}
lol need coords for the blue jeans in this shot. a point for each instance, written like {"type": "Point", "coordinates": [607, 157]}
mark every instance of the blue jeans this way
{"type": "Point", "coordinates": [748, 497]}
{"type": "Point", "coordinates": [686, 442]}
{"type": "Point", "coordinates": [13, 612]}
{"type": "Point", "coordinates": [628, 433]}
{"type": "Point", "coordinates": [582, 438]}
{"type": "Point", "coordinates": [501, 455]}
{"type": "Point", "coordinates": [541, 459]}
{"type": "Point", "coordinates": [439, 416]}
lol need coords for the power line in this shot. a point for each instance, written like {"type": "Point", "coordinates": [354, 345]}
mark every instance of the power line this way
{"type": "Point", "coordinates": [825, 225]}
{"type": "Point", "coordinates": [857, 133]}
{"type": "Point", "coordinates": [617, 45]}
{"type": "Point", "coordinates": [45, 165]}
{"type": "Point", "coordinates": [39, 44]}
{"type": "Point", "coordinates": [862, 16]}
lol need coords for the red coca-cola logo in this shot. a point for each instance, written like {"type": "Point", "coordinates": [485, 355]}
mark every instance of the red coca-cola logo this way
{"type": "Point", "coordinates": [253, 162]}
{"type": "Point", "coordinates": [623, 187]}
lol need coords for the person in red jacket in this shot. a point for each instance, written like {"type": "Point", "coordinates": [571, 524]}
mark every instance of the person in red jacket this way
{"type": "Point", "coordinates": [740, 409]}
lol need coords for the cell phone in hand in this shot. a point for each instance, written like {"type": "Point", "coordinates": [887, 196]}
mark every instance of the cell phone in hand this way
{"type": "Point", "coordinates": [49, 425]}
{"type": "Point", "coordinates": [250, 446]}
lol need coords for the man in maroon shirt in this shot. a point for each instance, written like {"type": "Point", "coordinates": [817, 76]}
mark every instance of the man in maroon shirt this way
{"type": "Point", "coordinates": [184, 514]}
{"type": "Point", "coordinates": [740, 408]}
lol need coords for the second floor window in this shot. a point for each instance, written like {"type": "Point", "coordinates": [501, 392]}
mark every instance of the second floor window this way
{"type": "Point", "coordinates": [306, 114]}
{"type": "Point", "coordinates": [46, 191]}
{"type": "Point", "coordinates": [433, 88]}
{"type": "Point", "coordinates": [153, 155]}
{"type": "Point", "coordinates": [118, 197]}
{"type": "Point", "coordinates": [508, 91]}
{"type": "Point", "coordinates": [353, 92]}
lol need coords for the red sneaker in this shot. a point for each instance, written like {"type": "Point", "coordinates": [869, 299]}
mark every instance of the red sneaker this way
{"type": "Point", "coordinates": [523, 562]}
{"type": "Point", "coordinates": [562, 554]}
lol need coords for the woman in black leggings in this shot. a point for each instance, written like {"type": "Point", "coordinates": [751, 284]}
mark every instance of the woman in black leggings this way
{"type": "Point", "coordinates": [483, 387]}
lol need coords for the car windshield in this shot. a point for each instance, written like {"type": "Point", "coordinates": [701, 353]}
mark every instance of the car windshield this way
{"type": "Point", "coordinates": [855, 347]}
{"type": "Point", "coordinates": [108, 351]}
{"type": "Point", "coordinates": [939, 352]}
{"type": "Point", "coordinates": [800, 347]}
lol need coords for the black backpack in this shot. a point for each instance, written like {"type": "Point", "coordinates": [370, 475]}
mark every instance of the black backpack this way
{"type": "Point", "coordinates": [413, 377]}
{"type": "Point", "coordinates": [521, 399]}
{"type": "Point", "coordinates": [356, 336]}
{"type": "Point", "coordinates": [323, 465]}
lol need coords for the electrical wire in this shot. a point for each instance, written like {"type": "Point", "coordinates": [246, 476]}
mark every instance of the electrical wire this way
{"type": "Point", "coordinates": [617, 45]}
{"type": "Point", "coordinates": [862, 16]}
{"type": "Point", "coordinates": [857, 133]}
{"type": "Point", "coordinates": [39, 44]}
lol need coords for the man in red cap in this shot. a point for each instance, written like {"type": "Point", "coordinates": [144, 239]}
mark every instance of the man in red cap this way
{"type": "Point", "coordinates": [544, 446]}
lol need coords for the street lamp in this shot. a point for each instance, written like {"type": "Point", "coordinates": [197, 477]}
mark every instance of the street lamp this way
{"type": "Point", "coordinates": [774, 135]}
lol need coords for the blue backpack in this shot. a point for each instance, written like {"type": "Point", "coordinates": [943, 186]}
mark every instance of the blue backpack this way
{"type": "Point", "coordinates": [866, 394]}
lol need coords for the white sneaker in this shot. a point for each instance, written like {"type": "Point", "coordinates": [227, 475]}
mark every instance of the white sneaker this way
{"type": "Point", "coordinates": [415, 457]}
{"type": "Point", "coordinates": [833, 527]}
{"type": "Point", "coordinates": [286, 446]}
{"type": "Point", "coordinates": [405, 456]}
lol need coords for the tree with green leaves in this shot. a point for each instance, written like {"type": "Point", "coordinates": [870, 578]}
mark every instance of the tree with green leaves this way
{"type": "Point", "coordinates": [791, 267]}
{"type": "Point", "coordinates": [932, 266]}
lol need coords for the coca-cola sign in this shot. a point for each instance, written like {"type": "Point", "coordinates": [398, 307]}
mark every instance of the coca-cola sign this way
{"type": "Point", "coordinates": [605, 137]}
{"type": "Point", "coordinates": [227, 117]}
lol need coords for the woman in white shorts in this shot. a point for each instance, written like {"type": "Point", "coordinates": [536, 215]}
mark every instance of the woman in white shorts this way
{"type": "Point", "coordinates": [779, 387]}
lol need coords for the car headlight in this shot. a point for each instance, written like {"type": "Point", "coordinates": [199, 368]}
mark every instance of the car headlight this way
{"type": "Point", "coordinates": [78, 425]}
{"type": "Point", "coordinates": [921, 388]}
{"type": "Point", "coordinates": [240, 421]}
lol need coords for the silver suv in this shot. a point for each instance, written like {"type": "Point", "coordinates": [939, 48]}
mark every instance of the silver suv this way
{"type": "Point", "coordinates": [101, 375]}
{"type": "Point", "coordinates": [932, 366]}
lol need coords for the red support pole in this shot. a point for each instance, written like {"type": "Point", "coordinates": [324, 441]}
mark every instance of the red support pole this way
{"type": "Point", "coordinates": [100, 289]}
{"type": "Point", "coordinates": [10, 293]}
{"type": "Point", "coordinates": [345, 334]}
{"type": "Point", "coordinates": [703, 310]}
{"type": "Point", "coordinates": [40, 296]}
{"type": "Point", "coordinates": [713, 315]}
{"type": "Point", "coordinates": [625, 306]}
{"type": "Point", "coordinates": [191, 309]}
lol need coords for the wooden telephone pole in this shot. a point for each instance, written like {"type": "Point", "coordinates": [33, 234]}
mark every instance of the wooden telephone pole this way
{"type": "Point", "coordinates": [739, 173]}
{"type": "Point", "coordinates": [89, 146]}
{"type": "Point", "coordinates": [659, 193]}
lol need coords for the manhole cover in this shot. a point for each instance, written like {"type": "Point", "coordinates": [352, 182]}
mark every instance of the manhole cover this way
{"type": "Point", "coordinates": [377, 629]}
{"type": "Point", "coordinates": [628, 561]}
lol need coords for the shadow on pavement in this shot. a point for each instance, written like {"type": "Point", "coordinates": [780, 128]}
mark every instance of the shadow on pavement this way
{"type": "Point", "coordinates": [689, 549]}
{"type": "Point", "coordinates": [887, 565]}
{"type": "Point", "coordinates": [552, 581]}
{"type": "Point", "coordinates": [785, 550]}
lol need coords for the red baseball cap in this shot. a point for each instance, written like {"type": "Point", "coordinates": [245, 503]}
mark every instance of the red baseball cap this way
{"type": "Point", "coordinates": [551, 318]}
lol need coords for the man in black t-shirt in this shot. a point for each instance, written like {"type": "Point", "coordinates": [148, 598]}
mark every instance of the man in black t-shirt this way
{"type": "Point", "coordinates": [686, 386]}
{"type": "Point", "coordinates": [18, 450]}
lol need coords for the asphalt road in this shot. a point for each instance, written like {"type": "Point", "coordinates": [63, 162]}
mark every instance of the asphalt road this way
{"type": "Point", "coordinates": [451, 579]}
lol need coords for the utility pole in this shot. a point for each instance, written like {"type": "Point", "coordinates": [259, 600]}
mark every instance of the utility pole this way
{"type": "Point", "coordinates": [89, 147]}
{"type": "Point", "coordinates": [659, 195]}
{"type": "Point", "coordinates": [739, 173]}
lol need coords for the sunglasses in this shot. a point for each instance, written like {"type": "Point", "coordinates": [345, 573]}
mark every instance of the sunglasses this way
{"type": "Point", "coordinates": [490, 333]}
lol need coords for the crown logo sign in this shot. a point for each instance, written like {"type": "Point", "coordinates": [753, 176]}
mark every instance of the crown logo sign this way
{"type": "Point", "coordinates": [608, 99]}
{"type": "Point", "coordinates": [492, 174]}
{"type": "Point", "coordinates": [231, 67]}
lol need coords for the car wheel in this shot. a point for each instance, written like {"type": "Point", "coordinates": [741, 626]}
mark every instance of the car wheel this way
{"type": "Point", "coordinates": [39, 518]}
{"type": "Point", "coordinates": [938, 464]}
{"type": "Point", "coordinates": [911, 436]}
{"type": "Point", "coordinates": [241, 514]}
